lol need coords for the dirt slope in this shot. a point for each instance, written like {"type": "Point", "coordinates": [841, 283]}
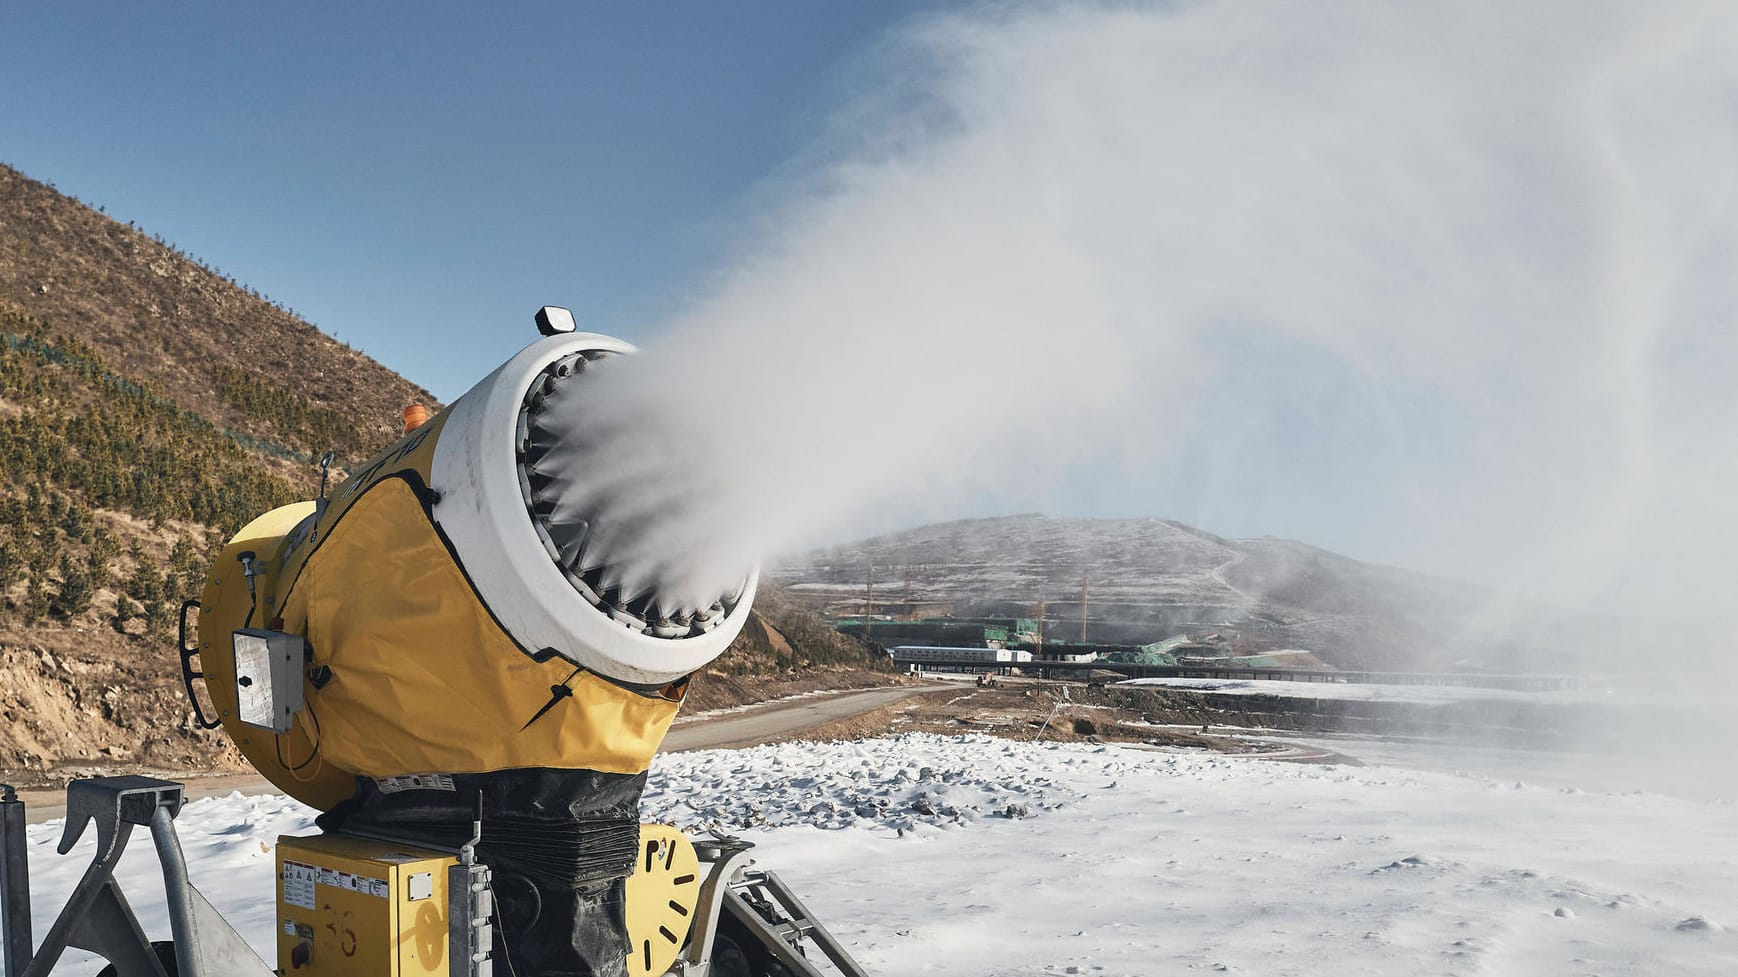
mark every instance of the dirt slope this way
{"type": "Point", "coordinates": [165, 319]}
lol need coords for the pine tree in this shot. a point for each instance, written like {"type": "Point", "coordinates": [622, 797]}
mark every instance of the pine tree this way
{"type": "Point", "coordinates": [159, 617]}
{"type": "Point", "coordinates": [10, 566]}
{"type": "Point", "coordinates": [145, 584]}
{"type": "Point", "coordinates": [77, 521]}
{"type": "Point", "coordinates": [125, 610]}
{"type": "Point", "coordinates": [48, 550]}
{"type": "Point", "coordinates": [184, 562]}
{"type": "Point", "coordinates": [36, 599]}
{"type": "Point", "coordinates": [76, 591]}
{"type": "Point", "coordinates": [102, 552]}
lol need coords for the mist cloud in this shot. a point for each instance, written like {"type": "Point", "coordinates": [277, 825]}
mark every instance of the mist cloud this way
{"type": "Point", "coordinates": [1449, 284]}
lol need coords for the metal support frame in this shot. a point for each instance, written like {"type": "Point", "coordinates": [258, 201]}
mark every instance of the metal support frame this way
{"type": "Point", "coordinates": [97, 916]}
{"type": "Point", "coordinates": [727, 857]}
{"type": "Point", "coordinates": [471, 909]}
{"type": "Point", "coordinates": [764, 906]}
{"type": "Point", "coordinates": [14, 882]}
{"type": "Point", "coordinates": [772, 912]}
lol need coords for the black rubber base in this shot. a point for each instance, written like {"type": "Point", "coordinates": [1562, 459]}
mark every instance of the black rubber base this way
{"type": "Point", "coordinates": [559, 843]}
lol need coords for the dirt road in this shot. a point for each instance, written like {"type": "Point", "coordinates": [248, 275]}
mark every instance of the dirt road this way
{"type": "Point", "coordinates": [784, 718]}
{"type": "Point", "coordinates": [753, 725]}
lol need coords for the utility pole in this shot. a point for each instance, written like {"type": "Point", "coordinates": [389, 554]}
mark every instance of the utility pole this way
{"type": "Point", "coordinates": [869, 605]}
{"type": "Point", "coordinates": [1040, 653]}
{"type": "Point", "coordinates": [1085, 588]}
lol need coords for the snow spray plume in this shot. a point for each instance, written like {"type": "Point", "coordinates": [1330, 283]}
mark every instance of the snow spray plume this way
{"type": "Point", "coordinates": [1465, 269]}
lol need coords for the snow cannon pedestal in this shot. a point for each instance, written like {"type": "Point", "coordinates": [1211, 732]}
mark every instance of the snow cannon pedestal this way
{"type": "Point", "coordinates": [395, 909]}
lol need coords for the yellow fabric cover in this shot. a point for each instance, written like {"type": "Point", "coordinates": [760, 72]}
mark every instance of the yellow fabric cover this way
{"type": "Point", "coordinates": [423, 679]}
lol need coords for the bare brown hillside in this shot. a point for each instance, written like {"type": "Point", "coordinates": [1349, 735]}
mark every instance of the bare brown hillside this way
{"type": "Point", "coordinates": [204, 340]}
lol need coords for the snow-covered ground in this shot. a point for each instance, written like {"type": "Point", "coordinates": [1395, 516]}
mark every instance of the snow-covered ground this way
{"type": "Point", "coordinates": [978, 856]}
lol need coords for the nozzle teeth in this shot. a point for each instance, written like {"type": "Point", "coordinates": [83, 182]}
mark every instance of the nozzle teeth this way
{"type": "Point", "coordinates": [568, 487]}
{"type": "Point", "coordinates": [572, 552]}
{"type": "Point", "coordinates": [538, 481]}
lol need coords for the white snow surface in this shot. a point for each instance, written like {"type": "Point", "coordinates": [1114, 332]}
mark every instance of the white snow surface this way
{"type": "Point", "coordinates": [1366, 691]}
{"type": "Point", "coordinates": [979, 856]}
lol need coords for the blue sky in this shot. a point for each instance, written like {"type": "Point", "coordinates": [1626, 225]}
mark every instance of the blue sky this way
{"type": "Point", "coordinates": [417, 178]}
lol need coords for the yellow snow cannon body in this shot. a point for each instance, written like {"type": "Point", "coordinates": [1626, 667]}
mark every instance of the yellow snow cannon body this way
{"type": "Point", "coordinates": [431, 647]}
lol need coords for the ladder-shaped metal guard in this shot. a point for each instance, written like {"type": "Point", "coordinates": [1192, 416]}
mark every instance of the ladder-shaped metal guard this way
{"type": "Point", "coordinates": [753, 890]}
{"type": "Point", "coordinates": [750, 896]}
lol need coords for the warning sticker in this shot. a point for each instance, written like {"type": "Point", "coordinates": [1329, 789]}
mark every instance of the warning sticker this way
{"type": "Point", "coordinates": [299, 882]}
{"type": "Point", "coordinates": [414, 781]}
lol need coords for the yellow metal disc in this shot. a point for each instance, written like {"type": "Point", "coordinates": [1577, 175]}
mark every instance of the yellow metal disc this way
{"type": "Point", "coordinates": [661, 895]}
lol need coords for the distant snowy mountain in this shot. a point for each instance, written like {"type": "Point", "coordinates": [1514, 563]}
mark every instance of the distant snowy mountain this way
{"type": "Point", "coordinates": [1150, 579]}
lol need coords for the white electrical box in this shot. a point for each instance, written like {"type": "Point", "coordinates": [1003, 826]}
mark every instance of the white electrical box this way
{"type": "Point", "coordinates": [268, 677]}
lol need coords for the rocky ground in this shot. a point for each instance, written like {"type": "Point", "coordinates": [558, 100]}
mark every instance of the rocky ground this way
{"type": "Point", "coordinates": [1178, 719]}
{"type": "Point", "coordinates": [1023, 709]}
{"type": "Point", "coordinates": [81, 703]}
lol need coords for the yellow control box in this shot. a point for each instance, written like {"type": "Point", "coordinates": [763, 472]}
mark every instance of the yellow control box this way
{"type": "Point", "coordinates": [353, 907]}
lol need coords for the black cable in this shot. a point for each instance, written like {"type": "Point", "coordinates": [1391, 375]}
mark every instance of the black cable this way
{"type": "Point", "coordinates": [314, 747]}
{"type": "Point", "coordinates": [495, 910]}
{"type": "Point", "coordinates": [252, 595]}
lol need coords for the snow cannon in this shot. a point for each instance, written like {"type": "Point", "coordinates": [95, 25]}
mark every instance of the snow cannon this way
{"type": "Point", "coordinates": [457, 659]}
{"type": "Point", "coordinates": [442, 613]}
{"type": "Point", "coordinates": [435, 636]}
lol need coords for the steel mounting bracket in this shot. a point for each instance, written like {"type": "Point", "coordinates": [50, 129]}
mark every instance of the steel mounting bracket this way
{"type": "Point", "coordinates": [97, 916]}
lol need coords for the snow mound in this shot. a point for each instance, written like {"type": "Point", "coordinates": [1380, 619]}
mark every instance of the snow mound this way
{"type": "Point", "coordinates": [908, 783]}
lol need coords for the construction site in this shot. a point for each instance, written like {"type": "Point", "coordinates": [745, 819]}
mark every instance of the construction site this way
{"type": "Point", "coordinates": [1053, 632]}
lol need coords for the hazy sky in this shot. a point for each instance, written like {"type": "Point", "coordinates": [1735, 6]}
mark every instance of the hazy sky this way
{"type": "Point", "coordinates": [1443, 284]}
